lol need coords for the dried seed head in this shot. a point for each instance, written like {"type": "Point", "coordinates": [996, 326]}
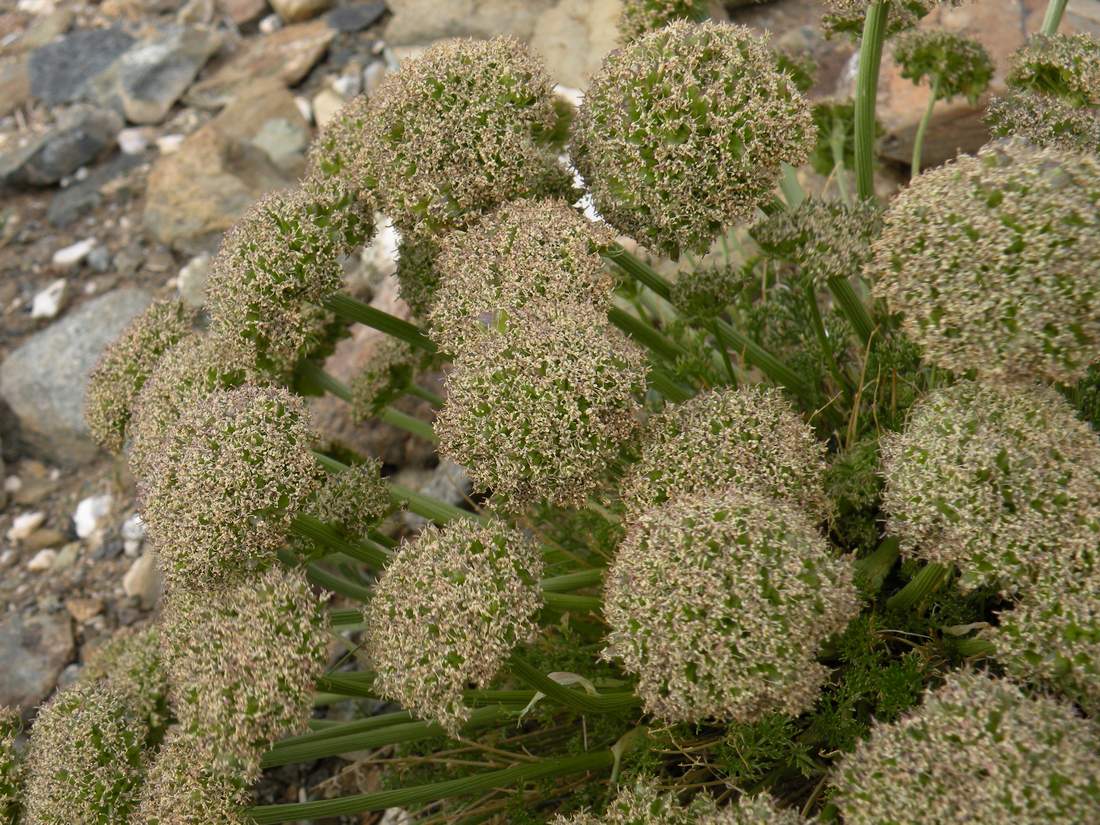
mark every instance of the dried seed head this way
{"type": "Point", "coordinates": [229, 478]}
{"type": "Point", "coordinates": [643, 804]}
{"type": "Point", "coordinates": [417, 276]}
{"type": "Point", "coordinates": [992, 261]}
{"type": "Point", "coordinates": [640, 17]}
{"type": "Point", "coordinates": [705, 293]}
{"type": "Point", "coordinates": [193, 369]}
{"type": "Point", "coordinates": [683, 131]}
{"type": "Point", "coordinates": [1045, 120]}
{"type": "Point", "coordinates": [243, 665]}
{"type": "Point", "coordinates": [182, 788]}
{"type": "Point", "coordinates": [85, 759]}
{"type": "Point", "coordinates": [991, 478]}
{"type": "Point", "coordinates": [131, 665]}
{"type": "Point", "coordinates": [540, 409]}
{"type": "Point", "coordinates": [462, 128]}
{"type": "Point", "coordinates": [826, 239]}
{"type": "Point", "coordinates": [11, 767]}
{"type": "Point", "coordinates": [1062, 65]}
{"type": "Point", "coordinates": [957, 65]}
{"type": "Point", "coordinates": [385, 378]}
{"type": "Point", "coordinates": [447, 612]}
{"type": "Point", "coordinates": [282, 257]}
{"type": "Point", "coordinates": [126, 365]}
{"type": "Point", "coordinates": [526, 252]}
{"type": "Point", "coordinates": [720, 604]}
{"type": "Point", "coordinates": [977, 750]}
{"type": "Point", "coordinates": [750, 439]}
{"type": "Point", "coordinates": [354, 499]}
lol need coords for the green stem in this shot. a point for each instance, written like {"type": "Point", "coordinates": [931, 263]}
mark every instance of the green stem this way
{"type": "Point", "coordinates": [569, 601]}
{"type": "Point", "coordinates": [576, 700]}
{"type": "Point", "coordinates": [646, 335]}
{"type": "Point", "coordinates": [922, 128]}
{"type": "Point", "coordinates": [853, 308]}
{"type": "Point", "coordinates": [352, 310]}
{"type": "Point", "coordinates": [380, 800]}
{"type": "Point", "coordinates": [345, 617]}
{"type": "Point", "coordinates": [823, 339]}
{"type": "Point", "coordinates": [920, 587]}
{"type": "Point", "coordinates": [409, 423]}
{"type": "Point", "coordinates": [1053, 18]}
{"type": "Point", "coordinates": [668, 386]}
{"type": "Point", "coordinates": [324, 729]}
{"type": "Point", "coordinates": [969, 648]}
{"type": "Point", "coordinates": [639, 270]}
{"type": "Point", "coordinates": [872, 570]}
{"type": "Point", "coordinates": [573, 581]}
{"type": "Point", "coordinates": [315, 530]}
{"type": "Point", "coordinates": [759, 357]}
{"type": "Point", "coordinates": [427, 395]}
{"type": "Point", "coordinates": [792, 190]}
{"type": "Point", "coordinates": [731, 373]}
{"type": "Point", "coordinates": [330, 581]}
{"type": "Point", "coordinates": [870, 62]}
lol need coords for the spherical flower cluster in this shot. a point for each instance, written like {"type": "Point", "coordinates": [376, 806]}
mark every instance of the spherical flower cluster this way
{"type": "Point", "coordinates": [417, 276]}
{"type": "Point", "coordinates": [683, 131]}
{"type": "Point", "coordinates": [336, 153]}
{"type": "Point", "coordinates": [643, 804]}
{"type": "Point", "coordinates": [826, 239]}
{"type": "Point", "coordinates": [182, 788]}
{"type": "Point", "coordinates": [704, 293]}
{"type": "Point", "coordinates": [954, 65]}
{"type": "Point", "coordinates": [977, 750]}
{"type": "Point", "coordinates": [354, 499]}
{"type": "Point", "coordinates": [1063, 65]}
{"type": "Point", "coordinates": [126, 365]}
{"type": "Point", "coordinates": [539, 410]}
{"type": "Point", "coordinates": [11, 769]}
{"type": "Point", "coordinates": [85, 759]}
{"type": "Point", "coordinates": [640, 17]}
{"type": "Point", "coordinates": [459, 130]}
{"type": "Point", "coordinates": [527, 252]}
{"type": "Point", "coordinates": [992, 479]}
{"type": "Point", "coordinates": [848, 15]}
{"type": "Point", "coordinates": [720, 603]}
{"type": "Point", "coordinates": [447, 612]}
{"type": "Point", "coordinates": [227, 482]}
{"type": "Point", "coordinates": [243, 665]}
{"type": "Point", "coordinates": [750, 439]}
{"type": "Point", "coordinates": [992, 261]}
{"type": "Point", "coordinates": [196, 367]}
{"type": "Point", "coordinates": [1045, 120]}
{"type": "Point", "coordinates": [130, 664]}
{"type": "Point", "coordinates": [385, 378]}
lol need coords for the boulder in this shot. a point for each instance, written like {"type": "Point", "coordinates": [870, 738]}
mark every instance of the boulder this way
{"type": "Point", "coordinates": [62, 71]}
{"type": "Point", "coordinates": [423, 21]}
{"type": "Point", "coordinates": [81, 135]}
{"type": "Point", "coordinates": [295, 11]}
{"type": "Point", "coordinates": [574, 36]}
{"type": "Point", "coordinates": [34, 650]}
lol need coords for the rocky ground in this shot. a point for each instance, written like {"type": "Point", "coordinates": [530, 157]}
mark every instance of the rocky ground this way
{"type": "Point", "coordinates": [134, 132]}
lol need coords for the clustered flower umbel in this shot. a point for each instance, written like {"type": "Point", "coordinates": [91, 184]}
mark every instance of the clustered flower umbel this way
{"type": "Point", "coordinates": [826, 239]}
{"type": "Point", "coordinates": [416, 273]}
{"type": "Point", "coordinates": [85, 759]}
{"type": "Point", "coordinates": [992, 262]}
{"type": "Point", "coordinates": [1045, 120]}
{"type": "Point", "coordinates": [749, 439]}
{"type": "Point", "coordinates": [640, 17]}
{"type": "Point", "coordinates": [848, 15]}
{"type": "Point", "coordinates": [526, 252]}
{"type": "Point", "coordinates": [243, 664]}
{"type": "Point", "coordinates": [994, 479]}
{"type": "Point", "coordinates": [131, 664]}
{"type": "Point", "coordinates": [385, 377]}
{"type": "Point", "coordinates": [954, 64]}
{"type": "Point", "coordinates": [643, 804]}
{"type": "Point", "coordinates": [353, 499]}
{"type": "Point", "coordinates": [705, 293]}
{"type": "Point", "coordinates": [458, 130]}
{"type": "Point", "coordinates": [11, 768]}
{"type": "Point", "coordinates": [447, 612]}
{"type": "Point", "coordinates": [720, 602]}
{"type": "Point", "coordinates": [683, 132]}
{"type": "Point", "coordinates": [228, 479]}
{"type": "Point", "coordinates": [125, 366]}
{"type": "Point", "coordinates": [977, 750]}
{"type": "Point", "coordinates": [539, 410]}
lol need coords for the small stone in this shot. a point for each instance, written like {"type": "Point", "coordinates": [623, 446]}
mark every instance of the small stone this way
{"type": "Point", "coordinates": [133, 141]}
{"type": "Point", "coordinates": [47, 303]}
{"type": "Point", "coordinates": [84, 609]}
{"type": "Point", "coordinates": [242, 12]}
{"type": "Point", "coordinates": [325, 106]}
{"type": "Point", "coordinates": [305, 108]}
{"type": "Point", "coordinates": [191, 281]}
{"type": "Point", "coordinates": [67, 557]}
{"type": "Point", "coordinates": [69, 676]}
{"type": "Point", "coordinates": [142, 581]}
{"type": "Point", "coordinates": [347, 85]}
{"type": "Point", "coordinates": [99, 259]}
{"type": "Point", "coordinates": [13, 484]}
{"type": "Point", "coordinates": [373, 76]}
{"type": "Point", "coordinates": [133, 529]}
{"type": "Point", "coordinates": [25, 524]}
{"type": "Point", "coordinates": [352, 19]}
{"type": "Point", "coordinates": [81, 135]}
{"type": "Point", "coordinates": [42, 560]}
{"type": "Point", "coordinates": [295, 11]}
{"type": "Point", "coordinates": [170, 144]}
{"type": "Point", "coordinates": [72, 255]}
{"type": "Point", "coordinates": [271, 24]}
{"type": "Point", "coordinates": [7, 558]}
{"type": "Point", "coordinates": [90, 512]}
{"type": "Point", "coordinates": [44, 537]}
{"type": "Point", "coordinates": [34, 649]}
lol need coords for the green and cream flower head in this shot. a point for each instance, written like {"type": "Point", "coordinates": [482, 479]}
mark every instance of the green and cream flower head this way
{"type": "Point", "coordinates": [848, 15]}
{"type": "Point", "coordinates": [992, 261]}
{"type": "Point", "coordinates": [540, 410]}
{"type": "Point", "coordinates": [992, 479]}
{"type": "Point", "coordinates": [683, 133]}
{"type": "Point", "coordinates": [11, 766]}
{"type": "Point", "coordinates": [1045, 120]}
{"type": "Point", "coordinates": [953, 64]}
{"type": "Point", "coordinates": [417, 274]}
{"type": "Point", "coordinates": [354, 499]}
{"type": "Point", "coordinates": [720, 602]}
{"type": "Point", "coordinates": [124, 367]}
{"type": "Point", "coordinates": [1066, 66]}
{"type": "Point", "coordinates": [643, 804]}
{"type": "Point", "coordinates": [231, 475]}
{"type": "Point", "coordinates": [750, 439]}
{"type": "Point", "coordinates": [85, 759]}
{"type": "Point", "coordinates": [640, 17]}
{"type": "Point", "coordinates": [243, 663]}
{"type": "Point", "coordinates": [130, 664]}
{"type": "Point", "coordinates": [978, 750]}
{"type": "Point", "coordinates": [447, 612]}
{"type": "Point", "coordinates": [705, 293]}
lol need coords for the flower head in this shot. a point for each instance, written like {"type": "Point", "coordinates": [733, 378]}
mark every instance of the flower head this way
{"type": "Point", "coordinates": [992, 262]}
{"type": "Point", "coordinates": [385, 378]}
{"type": "Point", "coordinates": [337, 151]}
{"type": "Point", "coordinates": [243, 665]}
{"type": "Point", "coordinates": [749, 438]}
{"type": "Point", "coordinates": [1066, 66]}
{"type": "Point", "coordinates": [977, 750]}
{"type": "Point", "coordinates": [230, 476]}
{"type": "Point", "coordinates": [462, 128]}
{"type": "Point", "coordinates": [848, 15]}
{"type": "Point", "coordinates": [447, 612]}
{"type": "Point", "coordinates": [954, 64]}
{"type": "Point", "coordinates": [126, 365]}
{"type": "Point", "coordinates": [640, 17]}
{"type": "Point", "coordinates": [644, 804]}
{"type": "Point", "coordinates": [990, 478]}
{"type": "Point", "coordinates": [705, 293]}
{"type": "Point", "coordinates": [354, 499]}
{"type": "Point", "coordinates": [130, 664]}
{"type": "Point", "coordinates": [720, 603]}
{"type": "Point", "coordinates": [11, 767]}
{"type": "Point", "coordinates": [1045, 120]}
{"type": "Point", "coordinates": [540, 409]}
{"type": "Point", "coordinates": [683, 132]}
{"type": "Point", "coordinates": [85, 759]}
{"type": "Point", "coordinates": [417, 275]}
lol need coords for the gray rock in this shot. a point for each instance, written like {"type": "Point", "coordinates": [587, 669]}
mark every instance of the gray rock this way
{"type": "Point", "coordinates": [62, 71]}
{"type": "Point", "coordinates": [76, 201]}
{"type": "Point", "coordinates": [423, 21]}
{"type": "Point", "coordinates": [448, 482]}
{"type": "Point", "coordinates": [34, 650]}
{"type": "Point", "coordinates": [44, 380]}
{"type": "Point", "coordinates": [81, 135]}
{"type": "Point", "coordinates": [351, 19]}
{"type": "Point", "coordinates": [151, 76]}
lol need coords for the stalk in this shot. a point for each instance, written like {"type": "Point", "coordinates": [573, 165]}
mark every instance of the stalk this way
{"type": "Point", "coordinates": [853, 308]}
{"type": "Point", "coordinates": [573, 581]}
{"type": "Point", "coordinates": [870, 62]}
{"type": "Point", "coordinates": [920, 587]}
{"type": "Point", "coordinates": [973, 648]}
{"type": "Point", "coordinates": [922, 129]}
{"type": "Point", "coordinates": [364, 550]}
{"type": "Point", "coordinates": [330, 581]}
{"type": "Point", "coordinates": [352, 310]}
{"type": "Point", "coordinates": [725, 353]}
{"type": "Point", "coordinates": [409, 423]}
{"type": "Point", "coordinates": [646, 335]}
{"type": "Point", "coordinates": [568, 601]}
{"type": "Point", "coordinates": [668, 386]}
{"type": "Point", "coordinates": [639, 270]}
{"type": "Point", "coordinates": [381, 800]}
{"type": "Point", "coordinates": [1053, 18]}
{"type": "Point", "coordinates": [823, 340]}
{"type": "Point", "coordinates": [345, 617]}
{"type": "Point", "coordinates": [425, 394]}
{"type": "Point", "coordinates": [575, 700]}
{"type": "Point", "coordinates": [872, 570]}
